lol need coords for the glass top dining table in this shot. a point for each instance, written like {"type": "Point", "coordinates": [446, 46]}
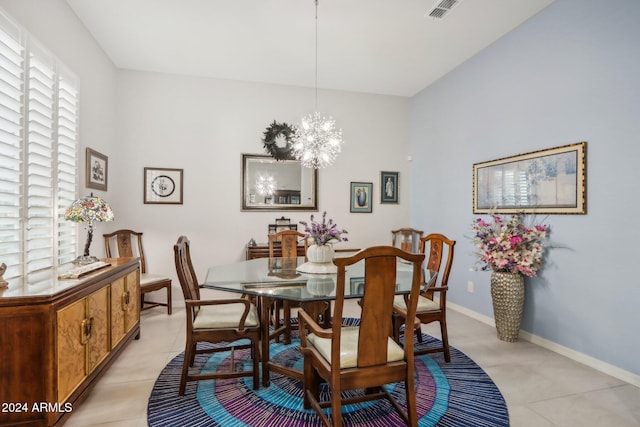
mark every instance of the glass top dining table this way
{"type": "Point", "coordinates": [278, 278]}
{"type": "Point", "coordinates": [270, 279]}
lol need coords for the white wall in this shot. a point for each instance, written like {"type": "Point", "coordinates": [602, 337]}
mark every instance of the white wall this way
{"type": "Point", "coordinates": [570, 74]}
{"type": "Point", "coordinates": [200, 125]}
{"type": "Point", "coordinates": [54, 24]}
{"type": "Point", "coordinates": [203, 125]}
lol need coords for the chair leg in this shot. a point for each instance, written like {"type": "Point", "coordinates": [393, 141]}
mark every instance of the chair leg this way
{"type": "Point", "coordinates": [188, 356]}
{"type": "Point", "coordinates": [336, 407]}
{"type": "Point", "coordinates": [309, 383]}
{"type": "Point", "coordinates": [412, 413]}
{"type": "Point", "coordinates": [395, 326]}
{"type": "Point", "coordinates": [286, 308]}
{"type": "Point", "coordinates": [418, 331]}
{"type": "Point", "coordinates": [255, 356]}
{"type": "Point", "coordinates": [169, 299]}
{"type": "Point", "coordinates": [193, 351]}
{"type": "Point", "coordinates": [275, 319]}
{"type": "Point", "coordinates": [445, 340]}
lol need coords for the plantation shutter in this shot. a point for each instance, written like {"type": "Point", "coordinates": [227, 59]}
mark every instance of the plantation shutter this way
{"type": "Point", "coordinates": [68, 98]}
{"type": "Point", "coordinates": [11, 128]}
{"type": "Point", "coordinates": [38, 157]}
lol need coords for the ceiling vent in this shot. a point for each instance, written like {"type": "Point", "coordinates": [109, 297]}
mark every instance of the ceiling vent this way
{"type": "Point", "coordinates": [442, 8]}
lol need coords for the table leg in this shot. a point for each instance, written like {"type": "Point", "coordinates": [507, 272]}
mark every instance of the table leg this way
{"type": "Point", "coordinates": [314, 308]}
{"type": "Point", "coordinates": [265, 304]}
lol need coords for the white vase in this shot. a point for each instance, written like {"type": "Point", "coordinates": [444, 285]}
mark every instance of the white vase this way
{"type": "Point", "coordinates": [320, 254]}
{"type": "Point", "coordinates": [320, 286]}
{"type": "Point", "coordinates": [320, 260]}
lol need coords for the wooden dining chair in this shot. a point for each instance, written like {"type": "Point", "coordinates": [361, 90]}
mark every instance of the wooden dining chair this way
{"type": "Point", "coordinates": [214, 321]}
{"type": "Point", "coordinates": [429, 310]}
{"type": "Point", "coordinates": [128, 243]}
{"type": "Point", "coordinates": [363, 357]}
{"type": "Point", "coordinates": [406, 239]}
{"type": "Point", "coordinates": [288, 241]}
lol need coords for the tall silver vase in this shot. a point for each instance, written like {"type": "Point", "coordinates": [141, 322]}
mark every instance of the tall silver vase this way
{"type": "Point", "coordinates": [507, 293]}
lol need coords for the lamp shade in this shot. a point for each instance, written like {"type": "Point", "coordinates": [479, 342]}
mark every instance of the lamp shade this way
{"type": "Point", "coordinates": [89, 209]}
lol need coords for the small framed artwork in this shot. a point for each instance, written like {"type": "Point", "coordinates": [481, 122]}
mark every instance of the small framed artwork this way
{"type": "Point", "coordinates": [162, 186]}
{"type": "Point", "coordinates": [388, 187]}
{"type": "Point", "coordinates": [356, 286]}
{"type": "Point", "coordinates": [97, 169]}
{"type": "Point", "coordinates": [549, 181]}
{"type": "Point", "coordinates": [361, 197]}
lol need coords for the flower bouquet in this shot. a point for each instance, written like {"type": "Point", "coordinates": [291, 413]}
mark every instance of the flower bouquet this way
{"type": "Point", "coordinates": [320, 253]}
{"type": "Point", "coordinates": [325, 232]}
{"type": "Point", "coordinates": [508, 245]}
{"type": "Point", "coordinates": [511, 249]}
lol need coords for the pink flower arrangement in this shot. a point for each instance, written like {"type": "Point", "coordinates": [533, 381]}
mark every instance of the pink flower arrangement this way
{"type": "Point", "coordinates": [324, 232]}
{"type": "Point", "coordinates": [509, 245]}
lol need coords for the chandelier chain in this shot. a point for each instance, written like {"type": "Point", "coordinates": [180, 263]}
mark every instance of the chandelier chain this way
{"type": "Point", "coordinates": [316, 141]}
{"type": "Point", "coordinates": [316, 75]}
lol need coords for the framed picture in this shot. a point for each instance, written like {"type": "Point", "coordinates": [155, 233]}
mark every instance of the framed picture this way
{"type": "Point", "coordinates": [356, 286]}
{"type": "Point", "coordinates": [550, 181]}
{"type": "Point", "coordinates": [163, 186]}
{"type": "Point", "coordinates": [361, 197]}
{"type": "Point", "coordinates": [97, 170]}
{"type": "Point", "coordinates": [388, 187]}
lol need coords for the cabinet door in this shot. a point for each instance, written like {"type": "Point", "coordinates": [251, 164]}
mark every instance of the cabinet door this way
{"type": "Point", "coordinates": [71, 348]}
{"type": "Point", "coordinates": [118, 301]}
{"type": "Point", "coordinates": [98, 316]}
{"type": "Point", "coordinates": [83, 340]}
{"type": "Point", "coordinates": [133, 309]}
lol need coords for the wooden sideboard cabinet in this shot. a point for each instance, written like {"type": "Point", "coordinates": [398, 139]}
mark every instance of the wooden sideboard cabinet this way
{"type": "Point", "coordinates": [261, 250]}
{"type": "Point", "coordinates": [58, 337]}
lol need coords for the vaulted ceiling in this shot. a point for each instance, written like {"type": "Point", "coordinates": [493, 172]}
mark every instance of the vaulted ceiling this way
{"type": "Point", "coordinates": [390, 47]}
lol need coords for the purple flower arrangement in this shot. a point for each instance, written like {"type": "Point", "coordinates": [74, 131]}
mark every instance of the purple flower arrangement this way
{"type": "Point", "coordinates": [324, 232]}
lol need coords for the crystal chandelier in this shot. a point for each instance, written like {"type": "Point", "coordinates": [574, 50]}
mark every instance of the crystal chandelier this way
{"type": "Point", "coordinates": [316, 142]}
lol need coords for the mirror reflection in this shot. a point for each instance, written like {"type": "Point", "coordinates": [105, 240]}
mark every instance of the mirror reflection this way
{"type": "Point", "coordinates": [268, 184]}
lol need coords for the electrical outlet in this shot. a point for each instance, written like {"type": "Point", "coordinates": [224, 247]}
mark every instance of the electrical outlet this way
{"type": "Point", "coordinates": [470, 286]}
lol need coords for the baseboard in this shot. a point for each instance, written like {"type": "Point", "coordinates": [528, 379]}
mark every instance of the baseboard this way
{"type": "Point", "coordinates": [589, 361]}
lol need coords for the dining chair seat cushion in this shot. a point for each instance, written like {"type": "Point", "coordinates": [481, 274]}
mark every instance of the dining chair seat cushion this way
{"type": "Point", "coordinates": [145, 278]}
{"type": "Point", "coordinates": [349, 347]}
{"type": "Point", "coordinates": [224, 316]}
{"type": "Point", "coordinates": [424, 304]}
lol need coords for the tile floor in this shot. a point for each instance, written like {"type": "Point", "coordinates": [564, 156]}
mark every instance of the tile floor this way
{"type": "Point", "coordinates": [541, 388]}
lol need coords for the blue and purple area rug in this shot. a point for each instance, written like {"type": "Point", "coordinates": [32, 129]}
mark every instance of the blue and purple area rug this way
{"type": "Point", "coordinates": [458, 393]}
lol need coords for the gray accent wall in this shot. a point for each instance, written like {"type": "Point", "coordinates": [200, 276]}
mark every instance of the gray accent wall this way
{"type": "Point", "coordinates": [569, 74]}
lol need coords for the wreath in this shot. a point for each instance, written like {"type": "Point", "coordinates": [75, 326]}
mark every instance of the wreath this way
{"type": "Point", "coordinates": [277, 141]}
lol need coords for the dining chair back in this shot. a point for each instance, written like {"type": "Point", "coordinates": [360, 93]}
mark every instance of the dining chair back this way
{"type": "Point", "coordinates": [128, 243]}
{"type": "Point", "coordinates": [216, 321]}
{"type": "Point", "coordinates": [288, 241]}
{"type": "Point", "coordinates": [363, 357]}
{"type": "Point", "coordinates": [439, 249]}
{"type": "Point", "coordinates": [406, 239]}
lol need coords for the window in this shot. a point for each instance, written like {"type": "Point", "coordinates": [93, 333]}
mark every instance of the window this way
{"type": "Point", "coordinates": [38, 154]}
